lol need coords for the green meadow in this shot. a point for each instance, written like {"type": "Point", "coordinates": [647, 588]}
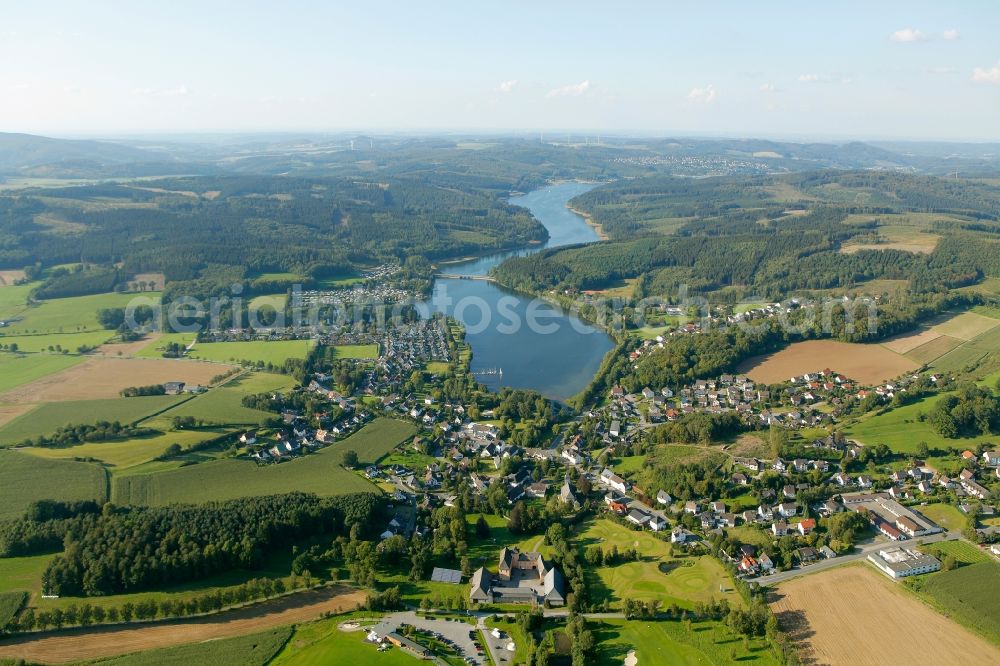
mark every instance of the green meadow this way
{"type": "Point", "coordinates": [319, 643]}
{"type": "Point", "coordinates": [25, 479]}
{"type": "Point", "coordinates": [67, 315]}
{"type": "Point", "coordinates": [275, 352]}
{"type": "Point", "coordinates": [224, 405]}
{"type": "Point", "coordinates": [901, 429]}
{"type": "Point", "coordinates": [356, 351]}
{"type": "Point", "coordinates": [232, 478]}
{"type": "Point", "coordinates": [17, 369]}
{"type": "Point", "coordinates": [44, 419]}
{"type": "Point", "coordinates": [49, 342]}
{"type": "Point", "coordinates": [670, 643]}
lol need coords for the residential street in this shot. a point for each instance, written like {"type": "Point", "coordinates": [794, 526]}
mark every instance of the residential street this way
{"type": "Point", "coordinates": [862, 552]}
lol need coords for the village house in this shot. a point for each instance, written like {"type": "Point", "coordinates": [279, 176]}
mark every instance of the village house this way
{"type": "Point", "coordinates": [613, 481]}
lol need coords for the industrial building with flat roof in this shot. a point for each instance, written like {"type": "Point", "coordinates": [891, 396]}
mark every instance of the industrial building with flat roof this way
{"type": "Point", "coordinates": [902, 562]}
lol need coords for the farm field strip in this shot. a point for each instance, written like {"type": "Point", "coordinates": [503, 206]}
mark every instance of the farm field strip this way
{"type": "Point", "coordinates": [46, 418]}
{"type": "Point", "coordinates": [101, 377]}
{"type": "Point", "coordinates": [906, 342]}
{"type": "Point", "coordinates": [855, 615]}
{"type": "Point", "coordinates": [84, 644]}
{"type": "Point", "coordinates": [25, 479]}
{"type": "Point", "coordinates": [966, 326]}
{"type": "Point", "coordinates": [868, 364]}
{"type": "Point", "coordinates": [933, 350]}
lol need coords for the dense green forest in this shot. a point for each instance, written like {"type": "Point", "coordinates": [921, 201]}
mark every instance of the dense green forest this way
{"type": "Point", "coordinates": [207, 233]}
{"type": "Point", "coordinates": [734, 237]}
{"type": "Point", "coordinates": [131, 548]}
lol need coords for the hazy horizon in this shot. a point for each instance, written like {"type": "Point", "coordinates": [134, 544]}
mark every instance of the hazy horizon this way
{"type": "Point", "coordinates": [850, 71]}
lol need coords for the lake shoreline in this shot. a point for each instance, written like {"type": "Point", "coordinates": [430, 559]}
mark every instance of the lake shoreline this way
{"type": "Point", "coordinates": [590, 220]}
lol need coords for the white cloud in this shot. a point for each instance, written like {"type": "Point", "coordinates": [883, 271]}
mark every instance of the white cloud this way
{"type": "Point", "coordinates": [983, 75]}
{"type": "Point", "coordinates": [706, 94]}
{"type": "Point", "coordinates": [808, 78]}
{"type": "Point", "coordinates": [177, 91]}
{"type": "Point", "coordinates": [767, 88]}
{"type": "Point", "coordinates": [907, 35]}
{"type": "Point", "coordinates": [951, 34]}
{"type": "Point", "coordinates": [507, 86]}
{"type": "Point", "coordinates": [573, 90]}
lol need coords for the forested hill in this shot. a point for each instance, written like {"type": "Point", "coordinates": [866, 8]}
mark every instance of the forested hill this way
{"type": "Point", "coordinates": [21, 151]}
{"type": "Point", "coordinates": [208, 232]}
{"type": "Point", "coordinates": [768, 236]}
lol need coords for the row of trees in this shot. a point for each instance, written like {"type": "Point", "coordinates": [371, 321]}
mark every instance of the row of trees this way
{"type": "Point", "coordinates": [86, 614]}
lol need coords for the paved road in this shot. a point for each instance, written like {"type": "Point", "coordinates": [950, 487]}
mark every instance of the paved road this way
{"type": "Point", "coordinates": [862, 552]}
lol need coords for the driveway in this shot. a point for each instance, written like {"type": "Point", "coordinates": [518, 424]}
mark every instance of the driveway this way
{"type": "Point", "coordinates": [457, 632]}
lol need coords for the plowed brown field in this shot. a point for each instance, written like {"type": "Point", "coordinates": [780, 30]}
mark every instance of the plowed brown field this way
{"type": "Point", "coordinates": [85, 644]}
{"type": "Point", "coordinates": [855, 615]}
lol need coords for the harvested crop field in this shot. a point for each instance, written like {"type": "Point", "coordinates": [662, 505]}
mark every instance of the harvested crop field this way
{"type": "Point", "coordinates": [934, 349]}
{"type": "Point", "coordinates": [86, 644]}
{"type": "Point", "coordinates": [855, 615]}
{"type": "Point", "coordinates": [910, 341]}
{"type": "Point", "coordinates": [966, 326]}
{"type": "Point", "coordinates": [868, 364]}
{"type": "Point", "coordinates": [9, 277]}
{"type": "Point", "coordinates": [106, 377]}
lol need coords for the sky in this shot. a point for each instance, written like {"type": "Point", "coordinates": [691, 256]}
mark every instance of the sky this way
{"type": "Point", "coordinates": [845, 69]}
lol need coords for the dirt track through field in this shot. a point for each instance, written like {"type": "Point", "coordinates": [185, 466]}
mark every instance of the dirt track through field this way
{"type": "Point", "coordinates": [855, 615]}
{"type": "Point", "coordinates": [105, 377]}
{"type": "Point", "coordinates": [85, 644]}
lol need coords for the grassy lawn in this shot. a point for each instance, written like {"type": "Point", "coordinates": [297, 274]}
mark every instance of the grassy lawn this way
{"type": "Point", "coordinates": [411, 459]}
{"type": "Point", "coordinates": [437, 367]}
{"type": "Point", "coordinates": [751, 535]}
{"type": "Point", "coordinates": [44, 420]}
{"type": "Point", "coordinates": [249, 650]}
{"type": "Point", "coordinates": [319, 473]}
{"type": "Point", "coordinates": [275, 352]}
{"type": "Point", "coordinates": [944, 515]}
{"type": "Point", "coordinates": [669, 642]}
{"type": "Point", "coordinates": [25, 479]}
{"type": "Point", "coordinates": [900, 430]}
{"type": "Point", "coordinates": [356, 351]}
{"type": "Point", "coordinates": [321, 643]}
{"type": "Point", "coordinates": [23, 573]}
{"type": "Point", "coordinates": [13, 299]}
{"type": "Point", "coordinates": [17, 369]}
{"type": "Point", "coordinates": [687, 581]}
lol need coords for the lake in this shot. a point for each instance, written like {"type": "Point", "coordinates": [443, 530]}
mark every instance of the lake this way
{"type": "Point", "coordinates": [559, 354]}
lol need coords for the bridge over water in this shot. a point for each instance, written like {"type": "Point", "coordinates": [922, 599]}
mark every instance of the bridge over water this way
{"type": "Point", "coordinates": [457, 276]}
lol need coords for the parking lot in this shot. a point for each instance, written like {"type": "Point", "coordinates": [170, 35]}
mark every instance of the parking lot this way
{"type": "Point", "coordinates": [455, 633]}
